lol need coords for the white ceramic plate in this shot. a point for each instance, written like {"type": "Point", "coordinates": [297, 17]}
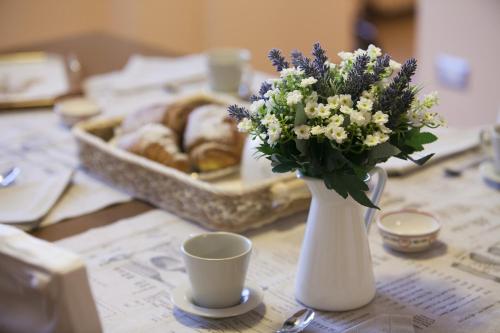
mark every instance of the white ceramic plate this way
{"type": "Point", "coordinates": [251, 296]}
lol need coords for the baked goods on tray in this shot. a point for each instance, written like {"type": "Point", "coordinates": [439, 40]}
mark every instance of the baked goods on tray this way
{"type": "Point", "coordinates": [193, 134]}
{"type": "Point", "coordinates": [157, 143]}
{"type": "Point", "coordinates": [211, 138]}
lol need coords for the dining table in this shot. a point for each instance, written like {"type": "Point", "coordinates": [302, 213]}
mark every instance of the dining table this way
{"type": "Point", "coordinates": [444, 289]}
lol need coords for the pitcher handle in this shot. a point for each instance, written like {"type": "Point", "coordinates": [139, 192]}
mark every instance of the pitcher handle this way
{"type": "Point", "coordinates": [377, 193]}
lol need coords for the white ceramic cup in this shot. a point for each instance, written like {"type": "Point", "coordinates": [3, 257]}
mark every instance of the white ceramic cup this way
{"type": "Point", "coordinates": [490, 140]}
{"type": "Point", "coordinates": [226, 69]}
{"type": "Point", "coordinates": [216, 264]}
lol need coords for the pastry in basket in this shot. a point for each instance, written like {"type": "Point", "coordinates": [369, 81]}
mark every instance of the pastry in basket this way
{"type": "Point", "coordinates": [155, 142]}
{"type": "Point", "coordinates": [211, 139]}
{"type": "Point", "coordinates": [135, 120]}
{"type": "Point", "coordinates": [177, 113]}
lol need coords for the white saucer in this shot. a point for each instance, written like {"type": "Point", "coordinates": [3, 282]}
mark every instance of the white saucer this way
{"type": "Point", "coordinates": [490, 176]}
{"type": "Point", "coordinates": [251, 296]}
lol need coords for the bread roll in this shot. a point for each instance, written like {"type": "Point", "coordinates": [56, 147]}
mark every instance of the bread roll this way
{"type": "Point", "coordinates": [155, 142]}
{"type": "Point", "coordinates": [211, 139]}
{"type": "Point", "coordinates": [177, 113]}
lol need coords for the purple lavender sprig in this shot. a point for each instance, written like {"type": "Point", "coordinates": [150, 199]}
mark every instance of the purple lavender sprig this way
{"type": "Point", "coordinates": [320, 59]}
{"type": "Point", "coordinates": [277, 59]}
{"type": "Point", "coordinates": [238, 112]}
{"type": "Point", "coordinates": [304, 63]}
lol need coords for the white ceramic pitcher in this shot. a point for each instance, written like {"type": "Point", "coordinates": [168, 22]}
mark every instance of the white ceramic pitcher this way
{"type": "Point", "coordinates": [335, 268]}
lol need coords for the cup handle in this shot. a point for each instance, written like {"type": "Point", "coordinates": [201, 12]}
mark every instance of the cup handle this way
{"type": "Point", "coordinates": [245, 89]}
{"type": "Point", "coordinates": [377, 193]}
{"type": "Point", "coordinates": [484, 139]}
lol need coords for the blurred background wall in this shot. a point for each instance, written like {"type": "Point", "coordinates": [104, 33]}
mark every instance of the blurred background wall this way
{"type": "Point", "coordinates": [464, 31]}
{"type": "Point", "coordinates": [184, 26]}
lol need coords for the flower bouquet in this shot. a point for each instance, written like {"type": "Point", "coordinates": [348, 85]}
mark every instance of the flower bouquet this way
{"type": "Point", "coordinates": [335, 122]}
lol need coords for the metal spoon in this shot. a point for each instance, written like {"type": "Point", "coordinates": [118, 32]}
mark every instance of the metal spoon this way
{"type": "Point", "coordinates": [457, 171]}
{"type": "Point", "coordinates": [9, 176]}
{"type": "Point", "coordinates": [297, 322]}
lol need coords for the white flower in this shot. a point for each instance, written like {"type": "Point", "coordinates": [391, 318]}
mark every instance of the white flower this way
{"type": "Point", "coordinates": [313, 98]}
{"type": "Point", "coordinates": [345, 100]}
{"type": "Point", "coordinates": [323, 111]}
{"type": "Point", "coordinates": [373, 51]}
{"type": "Point", "coordinates": [415, 118]}
{"type": "Point", "coordinates": [429, 117]}
{"type": "Point", "coordinates": [367, 94]}
{"type": "Point", "coordinates": [430, 100]}
{"type": "Point", "coordinates": [273, 82]}
{"type": "Point", "coordinates": [346, 55]}
{"type": "Point", "coordinates": [333, 102]}
{"type": "Point", "coordinates": [291, 71]}
{"type": "Point", "coordinates": [359, 52]}
{"type": "Point", "coordinates": [371, 140]}
{"type": "Point", "coordinates": [364, 104]}
{"type": "Point", "coordinates": [394, 65]}
{"type": "Point", "coordinates": [337, 119]}
{"type": "Point", "coordinates": [293, 97]}
{"type": "Point", "coordinates": [256, 105]}
{"type": "Point", "coordinates": [311, 110]}
{"type": "Point", "coordinates": [273, 133]}
{"type": "Point", "coordinates": [380, 118]}
{"type": "Point", "coordinates": [336, 133]}
{"type": "Point", "coordinates": [271, 92]}
{"type": "Point", "coordinates": [270, 104]}
{"type": "Point", "coordinates": [367, 115]}
{"type": "Point", "coordinates": [303, 132]}
{"type": "Point", "coordinates": [269, 120]}
{"type": "Point", "coordinates": [317, 130]}
{"type": "Point", "coordinates": [330, 65]}
{"type": "Point", "coordinates": [382, 137]}
{"type": "Point", "coordinates": [384, 129]}
{"type": "Point", "coordinates": [245, 125]}
{"type": "Point", "coordinates": [345, 109]}
{"type": "Point", "coordinates": [308, 82]}
{"type": "Point", "coordinates": [357, 118]}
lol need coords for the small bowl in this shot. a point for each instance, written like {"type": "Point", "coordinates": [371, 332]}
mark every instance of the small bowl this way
{"type": "Point", "coordinates": [408, 230]}
{"type": "Point", "coordinates": [72, 110]}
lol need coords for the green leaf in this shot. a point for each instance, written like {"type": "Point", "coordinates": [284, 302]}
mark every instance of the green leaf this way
{"type": "Point", "coordinates": [362, 198]}
{"type": "Point", "coordinates": [334, 182]}
{"type": "Point", "coordinates": [300, 115]}
{"type": "Point", "coordinates": [349, 184]}
{"type": "Point", "coordinates": [422, 160]}
{"type": "Point", "coordinates": [382, 152]}
{"type": "Point", "coordinates": [416, 140]}
{"type": "Point", "coordinates": [282, 167]}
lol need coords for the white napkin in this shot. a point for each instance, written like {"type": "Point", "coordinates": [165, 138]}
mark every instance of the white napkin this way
{"type": "Point", "coordinates": [450, 141]}
{"type": "Point", "coordinates": [28, 200]}
{"type": "Point", "coordinates": [43, 76]}
{"type": "Point", "coordinates": [85, 195]}
{"type": "Point", "coordinates": [143, 73]}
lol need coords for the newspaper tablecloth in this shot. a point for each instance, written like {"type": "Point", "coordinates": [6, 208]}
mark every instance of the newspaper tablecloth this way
{"type": "Point", "coordinates": [455, 287]}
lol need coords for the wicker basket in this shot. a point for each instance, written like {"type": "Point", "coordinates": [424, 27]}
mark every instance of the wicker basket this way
{"type": "Point", "coordinates": [220, 205]}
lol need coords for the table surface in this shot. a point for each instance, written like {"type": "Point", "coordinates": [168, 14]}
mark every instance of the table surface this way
{"type": "Point", "coordinates": [98, 53]}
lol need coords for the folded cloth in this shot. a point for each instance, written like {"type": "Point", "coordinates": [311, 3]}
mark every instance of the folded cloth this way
{"type": "Point", "coordinates": [85, 195]}
{"type": "Point", "coordinates": [46, 154]}
{"type": "Point", "coordinates": [142, 73]}
{"type": "Point", "coordinates": [31, 198]}
{"type": "Point", "coordinates": [450, 141]}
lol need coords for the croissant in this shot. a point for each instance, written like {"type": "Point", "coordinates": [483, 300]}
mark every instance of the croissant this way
{"type": "Point", "coordinates": [211, 139]}
{"type": "Point", "coordinates": [157, 143]}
